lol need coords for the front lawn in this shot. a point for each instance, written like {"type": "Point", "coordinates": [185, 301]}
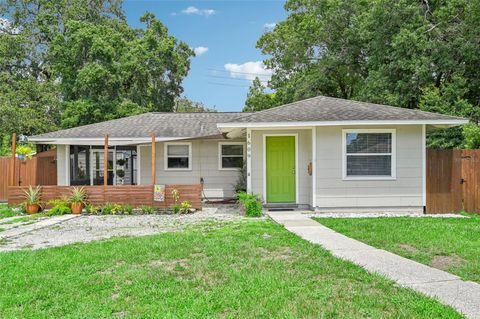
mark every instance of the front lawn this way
{"type": "Point", "coordinates": [253, 269]}
{"type": "Point", "coordinates": [450, 244]}
{"type": "Point", "coordinates": [6, 211]}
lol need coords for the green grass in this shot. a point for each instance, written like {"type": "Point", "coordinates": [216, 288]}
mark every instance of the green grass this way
{"type": "Point", "coordinates": [450, 244]}
{"type": "Point", "coordinates": [253, 269]}
{"type": "Point", "coordinates": [6, 211]}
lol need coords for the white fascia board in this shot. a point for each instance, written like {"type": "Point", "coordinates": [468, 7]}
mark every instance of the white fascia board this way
{"type": "Point", "coordinates": [340, 123]}
{"type": "Point", "coordinates": [100, 141]}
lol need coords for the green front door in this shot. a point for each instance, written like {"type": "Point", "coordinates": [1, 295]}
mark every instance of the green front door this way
{"type": "Point", "coordinates": [280, 162]}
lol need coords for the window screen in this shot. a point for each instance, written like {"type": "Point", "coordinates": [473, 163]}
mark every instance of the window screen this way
{"type": "Point", "coordinates": [178, 156]}
{"type": "Point", "coordinates": [368, 154]}
{"type": "Point", "coordinates": [231, 155]}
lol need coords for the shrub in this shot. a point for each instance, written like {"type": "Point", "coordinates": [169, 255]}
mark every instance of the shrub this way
{"type": "Point", "coordinates": [185, 207]}
{"type": "Point", "coordinates": [94, 210]}
{"type": "Point", "coordinates": [112, 209]}
{"type": "Point", "coordinates": [59, 207]}
{"type": "Point", "coordinates": [58, 210]}
{"type": "Point", "coordinates": [251, 204]}
{"type": "Point", "coordinates": [128, 210]}
{"type": "Point", "coordinates": [147, 210]}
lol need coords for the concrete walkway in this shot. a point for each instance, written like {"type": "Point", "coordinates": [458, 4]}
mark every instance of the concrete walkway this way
{"type": "Point", "coordinates": [449, 289]}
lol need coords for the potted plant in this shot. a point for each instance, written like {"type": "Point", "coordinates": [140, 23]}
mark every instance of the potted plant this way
{"type": "Point", "coordinates": [78, 200]}
{"type": "Point", "coordinates": [32, 200]}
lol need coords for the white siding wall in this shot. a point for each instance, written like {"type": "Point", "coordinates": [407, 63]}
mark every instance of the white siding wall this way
{"type": "Point", "coordinates": [218, 183]}
{"type": "Point", "coordinates": [304, 157]}
{"type": "Point", "coordinates": [62, 165]}
{"type": "Point", "coordinates": [334, 192]}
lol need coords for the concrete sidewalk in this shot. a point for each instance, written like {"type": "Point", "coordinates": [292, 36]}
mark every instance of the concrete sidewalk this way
{"type": "Point", "coordinates": [449, 289]}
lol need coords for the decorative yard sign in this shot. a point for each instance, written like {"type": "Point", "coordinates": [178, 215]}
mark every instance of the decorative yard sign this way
{"type": "Point", "coordinates": [159, 193]}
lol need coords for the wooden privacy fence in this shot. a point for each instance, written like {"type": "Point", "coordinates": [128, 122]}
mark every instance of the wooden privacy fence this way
{"type": "Point", "coordinates": [453, 181]}
{"type": "Point", "coordinates": [135, 195]}
{"type": "Point", "coordinates": [38, 170]}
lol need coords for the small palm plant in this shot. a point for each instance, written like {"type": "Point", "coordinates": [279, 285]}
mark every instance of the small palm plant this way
{"type": "Point", "coordinates": [32, 199]}
{"type": "Point", "coordinates": [78, 199]}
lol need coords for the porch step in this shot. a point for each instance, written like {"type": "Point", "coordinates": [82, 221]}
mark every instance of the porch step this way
{"type": "Point", "coordinates": [281, 207]}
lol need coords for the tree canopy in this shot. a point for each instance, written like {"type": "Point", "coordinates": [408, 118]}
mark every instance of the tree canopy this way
{"type": "Point", "coordinates": [422, 54]}
{"type": "Point", "coordinates": [72, 62]}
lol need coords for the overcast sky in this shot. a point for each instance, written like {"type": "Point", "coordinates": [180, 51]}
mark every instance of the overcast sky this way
{"type": "Point", "coordinates": [223, 35]}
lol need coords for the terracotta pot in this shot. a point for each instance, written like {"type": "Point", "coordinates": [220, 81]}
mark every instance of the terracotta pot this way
{"type": "Point", "coordinates": [32, 208]}
{"type": "Point", "coordinates": [77, 208]}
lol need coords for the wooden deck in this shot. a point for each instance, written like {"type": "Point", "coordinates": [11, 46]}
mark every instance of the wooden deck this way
{"type": "Point", "coordinates": [137, 195]}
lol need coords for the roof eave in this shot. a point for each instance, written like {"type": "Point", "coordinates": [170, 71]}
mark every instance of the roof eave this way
{"type": "Point", "coordinates": [446, 123]}
{"type": "Point", "coordinates": [113, 141]}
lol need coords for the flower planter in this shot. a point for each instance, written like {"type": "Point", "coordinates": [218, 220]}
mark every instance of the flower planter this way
{"type": "Point", "coordinates": [76, 208]}
{"type": "Point", "coordinates": [32, 208]}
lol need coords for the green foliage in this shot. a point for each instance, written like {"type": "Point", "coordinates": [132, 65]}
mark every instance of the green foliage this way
{"type": "Point", "coordinates": [67, 63]}
{"type": "Point", "coordinates": [412, 54]}
{"type": "Point", "coordinates": [257, 99]}
{"type": "Point", "coordinates": [182, 104]}
{"type": "Point", "coordinates": [112, 209]}
{"type": "Point", "coordinates": [241, 184]}
{"type": "Point", "coordinates": [93, 210]}
{"type": "Point", "coordinates": [471, 132]}
{"type": "Point", "coordinates": [59, 207]}
{"type": "Point", "coordinates": [7, 211]}
{"type": "Point", "coordinates": [185, 207]}
{"type": "Point", "coordinates": [32, 195]}
{"type": "Point", "coordinates": [25, 150]}
{"type": "Point", "coordinates": [78, 195]}
{"type": "Point", "coordinates": [176, 205]}
{"type": "Point", "coordinates": [147, 210]}
{"type": "Point", "coordinates": [58, 210]}
{"type": "Point", "coordinates": [251, 204]}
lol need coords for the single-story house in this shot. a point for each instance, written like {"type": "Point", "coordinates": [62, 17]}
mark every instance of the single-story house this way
{"type": "Point", "coordinates": [323, 153]}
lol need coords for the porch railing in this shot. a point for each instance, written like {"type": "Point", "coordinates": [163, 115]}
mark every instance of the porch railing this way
{"type": "Point", "coordinates": [135, 195]}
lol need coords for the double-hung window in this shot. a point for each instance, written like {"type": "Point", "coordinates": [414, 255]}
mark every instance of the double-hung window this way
{"type": "Point", "coordinates": [231, 155]}
{"type": "Point", "coordinates": [178, 156]}
{"type": "Point", "coordinates": [369, 154]}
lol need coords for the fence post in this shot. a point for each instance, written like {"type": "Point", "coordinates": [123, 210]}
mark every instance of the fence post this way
{"type": "Point", "coordinates": [12, 166]}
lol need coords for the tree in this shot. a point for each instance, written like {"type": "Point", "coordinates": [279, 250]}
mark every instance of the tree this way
{"type": "Point", "coordinates": [257, 99]}
{"type": "Point", "coordinates": [413, 54]}
{"type": "Point", "coordinates": [71, 62]}
{"type": "Point", "coordinates": [183, 105]}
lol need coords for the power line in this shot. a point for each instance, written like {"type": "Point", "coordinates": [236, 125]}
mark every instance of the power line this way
{"type": "Point", "coordinates": [227, 84]}
{"type": "Point", "coordinates": [247, 73]}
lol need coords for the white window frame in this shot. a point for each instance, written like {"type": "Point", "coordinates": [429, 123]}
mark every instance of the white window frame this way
{"type": "Point", "coordinates": [220, 156]}
{"type": "Point", "coordinates": [393, 154]}
{"type": "Point", "coordinates": [165, 156]}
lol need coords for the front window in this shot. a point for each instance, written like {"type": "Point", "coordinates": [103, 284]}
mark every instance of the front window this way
{"type": "Point", "coordinates": [79, 165]}
{"type": "Point", "coordinates": [369, 154]}
{"type": "Point", "coordinates": [86, 165]}
{"type": "Point", "coordinates": [231, 155]}
{"type": "Point", "coordinates": [178, 156]}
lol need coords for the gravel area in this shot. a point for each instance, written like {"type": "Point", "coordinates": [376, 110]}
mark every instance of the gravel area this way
{"type": "Point", "coordinates": [89, 228]}
{"type": "Point", "coordinates": [386, 214]}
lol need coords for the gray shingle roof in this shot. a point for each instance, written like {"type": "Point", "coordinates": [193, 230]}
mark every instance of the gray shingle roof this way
{"type": "Point", "coordinates": [322, 108]}
{"type": "Point", "coordinates": [163, 124]}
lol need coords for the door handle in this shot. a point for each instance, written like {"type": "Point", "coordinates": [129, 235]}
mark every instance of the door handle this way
{"type": "Point", "coordinates": [293, 171]}
{"type": "Point", "coordinates": [462, 181]}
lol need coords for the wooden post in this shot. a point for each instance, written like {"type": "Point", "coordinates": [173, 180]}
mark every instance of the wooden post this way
{"type": "Point", "coordinates": [154, 159]}
{"type": "Point", "coordinates": [105, 161]}
{"type": "Point", "coordinates": [13, 162]}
